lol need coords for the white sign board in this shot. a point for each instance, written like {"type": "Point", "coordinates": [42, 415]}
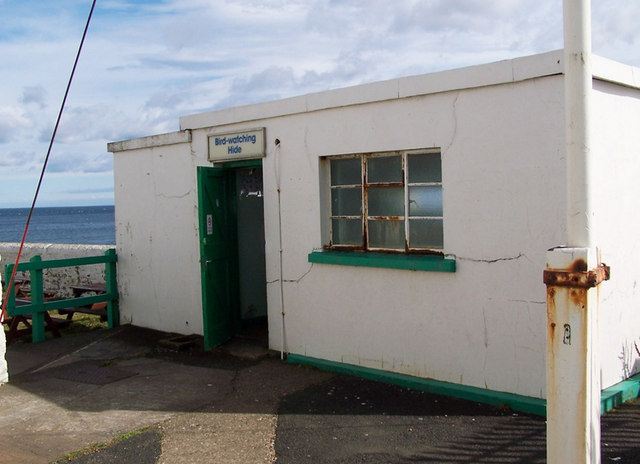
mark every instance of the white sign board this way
{"type": "Point", "coordinates": [209, 224]}
{"type": "Point", "coordinates": [237, 145]}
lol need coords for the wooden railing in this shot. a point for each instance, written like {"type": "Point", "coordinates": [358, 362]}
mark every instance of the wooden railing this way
{"type": "Point", "coordinates": [38, 307]}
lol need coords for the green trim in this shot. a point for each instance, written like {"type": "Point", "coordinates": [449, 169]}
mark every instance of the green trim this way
{"type": "Point", "coordinates": [252, 163]}
{"type": "Point", "coordinates": [626, 390]}
{"type": "Point", "coordinates": [225, 171]}
{"type": "Point", "coordinates": [201, 179]}
{"type": "Point", "coordinates": [36, 265]}
{"type": "Point", "coordinates": [38, 306]}
{"type": "Point", "coordinates": [412, 262]}
{"type": "Point", "coordinates": [612, 397]}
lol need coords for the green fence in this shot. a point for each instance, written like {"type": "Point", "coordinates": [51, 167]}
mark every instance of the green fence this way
{"type": "Point", "coordinates": [38, 306]}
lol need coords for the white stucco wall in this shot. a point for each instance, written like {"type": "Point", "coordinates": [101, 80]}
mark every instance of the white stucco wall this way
{"type": "Point", "coordinates": [616, 147]}
{"type": "Point", "coordinates": [502, 178]}
{"type": "Point", "coordinates": [157, 234]}
{"type": "Point", "coordinates": [500, 128]}
{"type": "Point", "coordinates": [503, 182]}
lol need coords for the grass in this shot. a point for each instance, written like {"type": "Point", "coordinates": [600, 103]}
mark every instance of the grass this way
{"type": "Point", "coordinates": [83, 323]}
{"type": "Point", "coordinates": [80, 323]}
{"type": "Point", "coordinates": [100, 446]}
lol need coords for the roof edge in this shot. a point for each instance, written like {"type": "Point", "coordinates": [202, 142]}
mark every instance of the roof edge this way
{"type": "Point", "coordinates": [500, 72]}
{"type": "Point", "coordinates": [615, 72]}
{"type": "Point", "coordinates": [169, 138]}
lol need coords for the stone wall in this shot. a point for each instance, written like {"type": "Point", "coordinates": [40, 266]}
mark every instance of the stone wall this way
{"type": "Point", "coordinates": [57, 281]}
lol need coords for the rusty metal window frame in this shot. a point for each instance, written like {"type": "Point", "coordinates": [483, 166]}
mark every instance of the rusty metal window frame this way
{"type": "Point", "coordinates": [416, 217]}
{"type": "Point", "coordinates": [339, 217]}
{"type": "Point", "coordinates": [364, 217]}
{"type": "Point", "coordinates": [368, 186]}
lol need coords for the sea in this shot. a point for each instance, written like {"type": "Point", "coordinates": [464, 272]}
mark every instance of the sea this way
{"type": "Point", "coordinates": [82, 225]}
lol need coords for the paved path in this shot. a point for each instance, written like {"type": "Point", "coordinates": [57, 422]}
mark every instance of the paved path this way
{"type": "Point", "coordinates": [215, 407]}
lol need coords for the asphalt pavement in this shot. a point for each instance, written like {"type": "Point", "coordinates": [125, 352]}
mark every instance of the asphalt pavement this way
{"type": "Point", "coordinates": [126, 395]}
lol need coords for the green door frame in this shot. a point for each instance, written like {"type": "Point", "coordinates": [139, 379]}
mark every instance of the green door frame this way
{"type": "Point", "coordinates": [218, 241]}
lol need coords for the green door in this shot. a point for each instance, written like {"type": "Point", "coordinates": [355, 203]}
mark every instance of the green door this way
{"type": "Point", "coordinates": [217, 256]}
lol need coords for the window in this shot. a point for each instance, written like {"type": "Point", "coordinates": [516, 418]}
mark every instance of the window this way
{"type": "Point", "coordinates": [386, 202]}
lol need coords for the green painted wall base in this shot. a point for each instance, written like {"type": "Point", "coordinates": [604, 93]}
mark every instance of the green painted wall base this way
{"type": "Point", "coordinates": [626, 390]}
{"type": "Point", "coordinates": [611, 397]}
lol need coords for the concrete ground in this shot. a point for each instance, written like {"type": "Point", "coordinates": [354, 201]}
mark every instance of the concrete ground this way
{"type": "Point", "coordinates": [123, 395]}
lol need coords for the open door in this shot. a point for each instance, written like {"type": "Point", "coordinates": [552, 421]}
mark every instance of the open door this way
{"type": "Point", "coordinates": [217, 256]}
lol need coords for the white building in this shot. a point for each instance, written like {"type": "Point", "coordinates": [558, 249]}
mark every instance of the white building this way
{"type": "Point", "coordinates": [400, 226]}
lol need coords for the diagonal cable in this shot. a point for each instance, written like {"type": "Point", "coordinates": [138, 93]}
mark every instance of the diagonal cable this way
{"type": "Point", "coordinates": [44, 167]}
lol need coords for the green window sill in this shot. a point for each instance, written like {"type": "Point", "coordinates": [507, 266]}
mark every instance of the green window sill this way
{"type": "Point", "coordinates": [385, 260]}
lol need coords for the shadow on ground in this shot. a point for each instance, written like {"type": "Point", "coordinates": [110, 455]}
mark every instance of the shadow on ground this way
{"type": "Point", "coordinates": [197, 406]}
{"type": "Point", "coordinates": [351, 420]}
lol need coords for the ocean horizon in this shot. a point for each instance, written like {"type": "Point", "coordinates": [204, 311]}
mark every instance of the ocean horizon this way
{"type": "Point", "coordinates": [76, 225]}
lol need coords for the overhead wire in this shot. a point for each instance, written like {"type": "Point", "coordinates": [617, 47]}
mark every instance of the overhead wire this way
{"type": "Point", "coordinates": [44, 167]}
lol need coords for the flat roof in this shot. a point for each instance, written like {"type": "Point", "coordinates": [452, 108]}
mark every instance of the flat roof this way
{"type": "Point", "coordinates": [500, 72]}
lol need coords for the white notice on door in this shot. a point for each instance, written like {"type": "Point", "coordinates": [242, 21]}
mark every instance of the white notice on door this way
{"type": "Point", "coordinates": [209, 224]}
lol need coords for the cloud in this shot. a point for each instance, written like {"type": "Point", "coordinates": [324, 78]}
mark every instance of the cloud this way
{"type": "Point", "coordinates": [179, 63]}
{"type": "Point", "coordinates": [76, 162]}
{"type": "Point", "coordinates": [268, 84]}
{"type": "Point", "coordinates": [12, 119]}
{"type": "Point", "coordinates": [615, 30]}
{"type": "Point", "coordinates": [22, 159]}
{"type": "Point", "coordinates": [34, 94]}
{"type": "Point", "coordinates": [97, 122]}
{"type": "Point", "coordinates": [147, 62]}
{"type": "Point", "coordinates": [90, 191]}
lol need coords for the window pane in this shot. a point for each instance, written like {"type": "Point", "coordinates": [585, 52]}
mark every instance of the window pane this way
{"type": "Point", "coordinates": [425, 233]}
{"type": "Point", "coordinates": [346, 171]}
{"type": "Point", "coordinates": [384, 169]}
{"type": "Point", "coordinates": [386, 234]}
{"type": "Point", "coordinates": [346, 202]}
{"type": "Point", "coordinates": [386, 201]}
{"type": "Point", "coordinates": [346, 231]}
{"type": "Point", "coordinates": [425, 201]}
{"type": "Point", "coordinates": [426, 167]}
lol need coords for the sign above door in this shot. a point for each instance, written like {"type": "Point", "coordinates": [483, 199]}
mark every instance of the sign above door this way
{"type": "Point", "coordinates": [233, 146]}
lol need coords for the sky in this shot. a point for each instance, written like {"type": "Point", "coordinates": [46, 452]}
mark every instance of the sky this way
{"type": "Point", "coordinates": [147, 62]}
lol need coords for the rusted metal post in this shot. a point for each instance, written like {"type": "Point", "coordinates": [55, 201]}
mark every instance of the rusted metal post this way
{"type": "Point", "coordinates": [573, 369]}
{"type": "Point", "coordinates": [574, 273]}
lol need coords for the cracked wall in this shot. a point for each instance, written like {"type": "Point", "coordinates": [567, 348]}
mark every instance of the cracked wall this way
{"type": "Point", "coordinates": [615, 151]}
{"type": "Point", "coordinates": [503, 201]}
{"type": "Point", "coordinates": [157, 237]}
{"type": "Point", "coordinates": [503, 198]}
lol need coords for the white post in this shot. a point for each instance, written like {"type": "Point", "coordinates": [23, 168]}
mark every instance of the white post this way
{"type": "Point", "coordinates": [574, 272]}
{"type": "Point", "coordinates": [4, 373]}
{"type": "Point", "coordinates": [577, 88]}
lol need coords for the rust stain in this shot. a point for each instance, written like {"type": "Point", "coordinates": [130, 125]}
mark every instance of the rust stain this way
{"type": "Point", "coordinates": [577, 279]}
{"type": "Point", "coordinates": [578, 297]}
{"type": "Point", "coordinates": [567, 292]}
{"type": "Point", "coordinates": [579, 265]}
{"type": "Point", "coordinates": [365, 208]}
{"type": "Point", "coordinates": [551, 330]}
{"type": "Point", "coordinates": [386, 218]}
